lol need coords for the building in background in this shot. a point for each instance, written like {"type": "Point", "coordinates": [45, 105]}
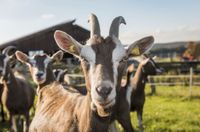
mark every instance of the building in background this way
{"type": "Point", "coordinates": [43, 41]}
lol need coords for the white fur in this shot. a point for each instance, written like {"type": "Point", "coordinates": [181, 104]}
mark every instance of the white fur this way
{"type": "Point", "coordinates": [88, 53]}
{"type": "Point", "coordinates": [128, 95]}
{"type": "Point", "coordinates": [118, 53]}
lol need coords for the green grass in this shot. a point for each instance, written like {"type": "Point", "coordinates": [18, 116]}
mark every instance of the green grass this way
{"type": "Point", "coordinates": [172, 109]}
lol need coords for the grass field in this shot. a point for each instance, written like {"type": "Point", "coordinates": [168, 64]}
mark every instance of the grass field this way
{"type": "Point", "coordinates": [172, 109]}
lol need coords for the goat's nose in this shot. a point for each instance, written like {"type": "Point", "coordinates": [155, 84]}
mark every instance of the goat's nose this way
{"type": "Point", "coordinates": [104, 91]}
{"type": "Point", "coordinates": [39, 75]}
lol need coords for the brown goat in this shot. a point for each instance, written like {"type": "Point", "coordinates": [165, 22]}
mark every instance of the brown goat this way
{"type": "Point", "coordinates": [18, 95]}
{"type": "Point", "coordinates": [103, 62]}
{"type": "Point", "coordinates": [136, 85]}
{"type": "Point", "coordinates": [55, 103]}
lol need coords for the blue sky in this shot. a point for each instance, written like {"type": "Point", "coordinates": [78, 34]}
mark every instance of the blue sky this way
{"type": "Point", "coordinates": [167, 21]}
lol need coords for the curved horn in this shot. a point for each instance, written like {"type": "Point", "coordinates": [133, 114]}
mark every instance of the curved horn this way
{"type": "Point", "coordinates": [8, 50]}
{"type": "Point", "coordinates": [145, 55]}
{"type": "Point", "coordinates": [114, 28]}
{"type": "Point", "coordinates": [94, 24]}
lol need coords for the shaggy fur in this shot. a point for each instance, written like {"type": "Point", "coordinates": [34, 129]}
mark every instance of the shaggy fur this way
{"type": "Point", "coordinates": [18, 97]}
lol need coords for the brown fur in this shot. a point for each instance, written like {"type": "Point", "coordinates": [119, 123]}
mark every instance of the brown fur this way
{"type": "Point", "coordinates": [60, 110]}
{"type": "Point", "coordinates": [18, 97]}
{"type": "Point", "coordinates": [103, 49]}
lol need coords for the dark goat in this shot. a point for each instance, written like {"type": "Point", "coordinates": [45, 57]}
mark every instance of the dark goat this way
{"type": "Point", "coordinates": [103, 62]}
{"type": "Point", "coordinates": [2, 111]}
{"type": "Point", "coordinates": [18, 95]}
{"type": "Point", "coordinates": [136, 85]}
{"type": "Point", "coordinates": [60, 75]}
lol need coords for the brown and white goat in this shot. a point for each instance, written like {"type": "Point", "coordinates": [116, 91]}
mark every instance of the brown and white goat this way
{"type": "Point", "coordinates": [136, 85]}
{"type": "Point", "coordinates": [103, 62]}
{"type": "Point", "coordinates": [18, 95]}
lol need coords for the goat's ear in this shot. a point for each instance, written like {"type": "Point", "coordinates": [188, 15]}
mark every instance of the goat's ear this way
{"type": "Point", "coordinates": [141, 46]}
{"type": "Point", "coordinates": [21, 56]}
{"type": "Point", "coordinates": [57, 56]}
{"type": "Point", "coordinates": [67, 43]}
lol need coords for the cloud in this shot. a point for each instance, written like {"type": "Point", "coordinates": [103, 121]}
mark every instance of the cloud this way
{"type": "Point", "coordinates": [47, 16]}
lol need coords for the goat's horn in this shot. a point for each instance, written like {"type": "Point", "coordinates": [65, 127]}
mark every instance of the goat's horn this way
{"type": "Point", "coordinates": [114, 28]}
{"type": "Point", "coordinates": [8, 49]}
{"type": "Point", "coordinates": [95, 28]}
{"type": "Point", "coordinates": [145, 55]}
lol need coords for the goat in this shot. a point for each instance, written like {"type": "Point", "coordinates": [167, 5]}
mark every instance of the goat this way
{"type": "Point", "coordinates": [136, 85]}
{"type": "Point", "coordinates": [103, 62]}
{"type": "Point", "coordinates": [2, 108]}
{"type": "Point", "coordinates": [18, 95]}
{"type": "Point", "coordinates": [60, 75]}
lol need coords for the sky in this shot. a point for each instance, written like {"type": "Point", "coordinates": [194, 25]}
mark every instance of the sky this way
{"type": "Point", "coordinates": [167, 21]}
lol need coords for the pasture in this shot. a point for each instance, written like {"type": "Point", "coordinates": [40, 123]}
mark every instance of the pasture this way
{"type": "Point", "coordinates": [171, 109]}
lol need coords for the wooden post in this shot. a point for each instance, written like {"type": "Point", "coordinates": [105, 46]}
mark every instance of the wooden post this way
{"type": "Point", "coordinates": [153, 87]}
{"type": "Point", "coordinates": [191, 74]}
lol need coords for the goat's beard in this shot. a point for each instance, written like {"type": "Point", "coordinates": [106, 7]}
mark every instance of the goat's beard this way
{"type": "Point", "coordinates": [103, 111]}
{"type": "Point", "coordinates": [39, 81]}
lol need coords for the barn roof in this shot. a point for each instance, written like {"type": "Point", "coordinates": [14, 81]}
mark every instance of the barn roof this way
{"type": "Point", "coordinates": [44, 40]}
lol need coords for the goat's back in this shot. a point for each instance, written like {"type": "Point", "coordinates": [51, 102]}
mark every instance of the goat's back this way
{"type": "Point", "coordinates": [55, 109]}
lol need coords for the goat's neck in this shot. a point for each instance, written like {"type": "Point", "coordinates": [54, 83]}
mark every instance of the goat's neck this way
{"type": "Point", "coordinates": [139, 78]}
{"type": "Point", "coordinates": [50, 78]}
{"type": "Point", "coordinates": [9, 78]}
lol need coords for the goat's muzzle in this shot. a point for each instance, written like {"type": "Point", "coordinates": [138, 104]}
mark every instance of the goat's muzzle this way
{"type": "Point", "coordinates": [104, 92]}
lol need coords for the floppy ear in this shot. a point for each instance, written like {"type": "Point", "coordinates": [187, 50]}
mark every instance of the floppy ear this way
{"type": "Point", "coordinates": [21, 56]}
{"type": "Point", "coordinates": [67, 43]}
{"type": "Point", "coordinates": [57, 56]}
{"type": "Point", "coordinates": [141, 46]}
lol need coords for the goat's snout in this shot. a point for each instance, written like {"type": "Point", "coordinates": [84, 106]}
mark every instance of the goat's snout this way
{"type": "Point", "coordinates": [39, 75]}
{"type": "Point", "coordinates": [104, 91]}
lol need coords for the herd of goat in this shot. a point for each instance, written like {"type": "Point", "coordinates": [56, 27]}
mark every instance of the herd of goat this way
{"type": "Point", "coordinates": [94, 108]}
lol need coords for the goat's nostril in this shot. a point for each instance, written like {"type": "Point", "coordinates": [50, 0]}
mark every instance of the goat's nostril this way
{"type": "Point", "coordinates": [39, 75]}
{"type": "Point", "coordinates": [103, 91]}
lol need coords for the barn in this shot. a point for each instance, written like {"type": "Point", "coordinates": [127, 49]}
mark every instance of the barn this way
{"type": "Point", "coordinates": [44, 41]}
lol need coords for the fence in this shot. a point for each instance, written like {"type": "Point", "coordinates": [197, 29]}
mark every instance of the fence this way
{"type": "Point", "coordinates": [173, 80]}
